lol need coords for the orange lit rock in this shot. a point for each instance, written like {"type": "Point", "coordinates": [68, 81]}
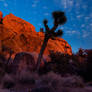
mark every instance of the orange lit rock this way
{"type": "Point", "coordinates": [1, 17]}
{"type": "Point", "coordinates": [20, 36]}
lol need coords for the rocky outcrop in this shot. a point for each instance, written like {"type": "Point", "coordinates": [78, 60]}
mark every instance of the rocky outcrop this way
{"type": "Point", "coordinates": [17, 35]}
{"type": "Point", "coordinates": [23, 61]}
{"type": "Point", "coordinates": [1, 17]}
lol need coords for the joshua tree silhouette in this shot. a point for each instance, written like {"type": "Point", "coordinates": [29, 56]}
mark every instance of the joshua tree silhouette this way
{"type": "Point", "coordinates": [59, 19]}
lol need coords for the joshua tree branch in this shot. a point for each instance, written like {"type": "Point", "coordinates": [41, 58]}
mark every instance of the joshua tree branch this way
{"type": "Point", "coordinates": [54, 27]}
{"type": "Point", "coordinates": [58, 33]}
{"type": "Point", "coordinates": [46, 27]}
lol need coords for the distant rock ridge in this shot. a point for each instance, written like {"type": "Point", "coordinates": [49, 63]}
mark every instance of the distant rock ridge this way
{"type": "Point", "coordinates": [20, 36]}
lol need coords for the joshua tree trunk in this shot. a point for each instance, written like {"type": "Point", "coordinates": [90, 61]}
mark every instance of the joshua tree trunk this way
{"type": "Point", "coordinates": [41, 53]}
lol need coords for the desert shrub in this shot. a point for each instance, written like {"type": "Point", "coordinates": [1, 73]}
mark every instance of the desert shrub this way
{"type": "Point", "coordinates": [88, 76]}
{"type": "Point", "coordinates": [2, 61]}
{"type": "Point", "coordinates": [26, 77]}
{"type": "Point", "coordinates": [2, 58]}
{"type": "Point", "coordinates": [8, 81]}
{"type": "Point", "coordinates": [43, 89]}
{"type": "Point", "coordinates": [2, 66]}
{"type": "Point", "coordinates": [64, 64]}
{"type": "Point", "coordinates": [81, 66]}
{"type": "Point", "coordinates": [2, 72]}
{"type": "Point", "coordinates": [85, 67]}
{"type": "Point", "coordinates": [47, 78]}
{"type": "Point", "coordinates": [56, 81]}
{"type": "Point", "coordinates": [59, 64]}
{"type": "Point", "coordinates": [73, 81]}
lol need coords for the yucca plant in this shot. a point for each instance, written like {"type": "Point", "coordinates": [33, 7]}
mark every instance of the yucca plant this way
{"type": "Point", "coordinates": [59, 19]}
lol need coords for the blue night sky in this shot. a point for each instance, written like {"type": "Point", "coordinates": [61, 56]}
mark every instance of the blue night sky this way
{"type": "Point", "coordinates": [77, 30]}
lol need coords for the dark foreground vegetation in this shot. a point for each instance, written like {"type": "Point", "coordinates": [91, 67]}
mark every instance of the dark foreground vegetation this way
{"type": "Point", "coordinates": [77, 64]}
{"type": "Point", "coordinates": [62, 71]}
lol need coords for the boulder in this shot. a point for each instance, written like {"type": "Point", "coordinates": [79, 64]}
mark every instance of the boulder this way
{"type": "Point", "coordinates": [19, 35]}
{"type": "Point", "coordinates": [26, 61]}
{"type": "Point", "coordinates": [23, 61]}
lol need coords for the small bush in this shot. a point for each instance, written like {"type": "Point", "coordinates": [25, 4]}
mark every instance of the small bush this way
{"type": "Point", "coordinates": [72, 81]}
{"type": "Point", "coordinates": [26, 77]}
{"type": "Point", "coordinates": [56, 81]}
{"type": "Point", "coordinates": [59, 64]}
{"type": "Point", "coordinates": [48, 78]}
{"type": "Point", "coordinates": [43, 89]}
{"type": "Point", "coordinates": [8, 81]}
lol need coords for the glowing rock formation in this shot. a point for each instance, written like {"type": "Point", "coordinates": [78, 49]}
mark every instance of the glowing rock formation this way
{"type": "Point", "coordinates": [18, 35]}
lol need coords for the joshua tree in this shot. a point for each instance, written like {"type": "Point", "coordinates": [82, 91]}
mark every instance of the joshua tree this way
{"type": "Point", "coordinates": [59, 19]}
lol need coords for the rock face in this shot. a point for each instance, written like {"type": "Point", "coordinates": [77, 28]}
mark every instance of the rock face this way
{"type": "Point", "coordinates": [1, 17]}
{"type": "Point", "coordinates": [17, 35]}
